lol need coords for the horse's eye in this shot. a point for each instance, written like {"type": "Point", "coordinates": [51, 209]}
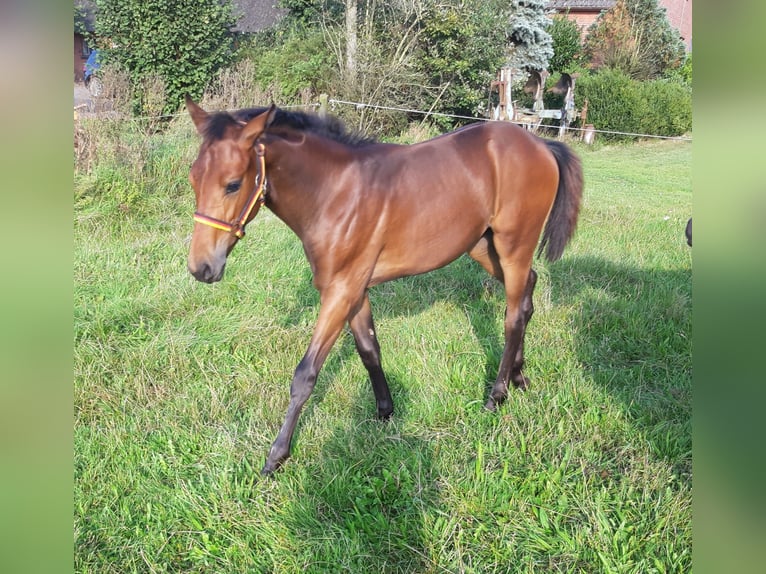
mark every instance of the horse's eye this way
{"type": "Point", "coordinates": [233, 186]}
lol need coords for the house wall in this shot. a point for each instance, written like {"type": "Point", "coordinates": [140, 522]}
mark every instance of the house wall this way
{"type": "Point", "coordinates": [584, 20]}
{"type": "Point", "coordinates": [680, 17]}
{"type": "Point", "coordinates": [583, 12]}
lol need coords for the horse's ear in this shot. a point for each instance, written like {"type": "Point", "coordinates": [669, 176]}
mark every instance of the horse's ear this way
{"type": "Point", "coordinates": [256, 126]}
{"type": "Point", "coordinates": [198, 115]}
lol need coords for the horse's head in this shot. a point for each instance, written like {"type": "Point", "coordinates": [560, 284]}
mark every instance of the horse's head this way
{"type": "Point", "coordinates": [225, 177]}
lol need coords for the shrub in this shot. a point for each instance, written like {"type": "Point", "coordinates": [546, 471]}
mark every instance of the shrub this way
{"type": "Point", "coordinates": [613, 102]}
{"type": "Point", "coordinates": [683, 73]}
{"type": "Point", "coordinates": [636, 37]}
{"type": "Point", "coordinates": [619, 103]}
{"type": "Point", "coordinates": [300, 61]}
{"type": "Point", "coordinates": [182, 43]}
{"type": "Point", "coordinates": [238, 87]}
{"type": "Point", "coordinates": [668, 108]}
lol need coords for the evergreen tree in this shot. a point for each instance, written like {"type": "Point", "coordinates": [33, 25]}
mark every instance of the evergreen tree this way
{"type": "Point", "coordinates": [566, 44]}
{"type": "Point", "coordinates": [531, 44]}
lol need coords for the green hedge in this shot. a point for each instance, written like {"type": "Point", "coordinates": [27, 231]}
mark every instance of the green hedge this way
{"type": "Point", "coordinates": [619, 103]}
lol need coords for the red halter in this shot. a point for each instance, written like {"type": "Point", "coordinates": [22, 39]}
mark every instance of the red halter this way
{"type": "Point", "coordinates": [255, 201]}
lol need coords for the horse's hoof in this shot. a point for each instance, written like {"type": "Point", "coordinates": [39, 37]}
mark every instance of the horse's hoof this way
{"type": "Point", "coordinates": [519, 380]}
{"type": "Point", "coordinates": [386, 415]}
{"type": "Point", "coordinates": [267, 472]}
{"type": "Point", "coordinates": [490, 405]}
{"type": "Point", "coordinates": [269, 469]}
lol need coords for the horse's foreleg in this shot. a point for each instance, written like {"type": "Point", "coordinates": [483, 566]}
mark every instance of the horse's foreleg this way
{"type": "Point", "coordinates": [367, 346]}
{"type": "Point", "coordinates": [333, 314]}
{"type": "Point", "coordinates": [513, 334]}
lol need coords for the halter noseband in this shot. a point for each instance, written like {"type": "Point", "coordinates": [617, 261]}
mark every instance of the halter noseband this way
{"type": "Point", "coordinates": [257, 198]}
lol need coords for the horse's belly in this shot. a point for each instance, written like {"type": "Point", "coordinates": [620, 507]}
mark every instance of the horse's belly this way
{"type": "Point", "coordinates": [421, 253]}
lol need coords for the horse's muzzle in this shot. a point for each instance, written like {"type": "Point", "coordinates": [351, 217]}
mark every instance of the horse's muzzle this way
{"type": "Point", "coordinates": [206, 273]}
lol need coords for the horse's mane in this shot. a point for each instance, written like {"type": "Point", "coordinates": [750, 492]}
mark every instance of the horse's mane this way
{"type": "Point", "coordinates": [329, 126]}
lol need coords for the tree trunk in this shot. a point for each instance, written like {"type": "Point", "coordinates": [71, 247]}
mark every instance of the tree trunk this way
{"type": "Point", "coordinates": [351, 37]}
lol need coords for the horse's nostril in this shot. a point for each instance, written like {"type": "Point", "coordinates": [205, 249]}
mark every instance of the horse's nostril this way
{"type": "Point", "coordinates": [202, 273]}
{"type": "Point", "coordinates": [206, 273]}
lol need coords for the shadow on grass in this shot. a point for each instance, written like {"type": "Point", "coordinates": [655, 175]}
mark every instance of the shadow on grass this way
{"type": "Point", "coordinates": [633, 339]}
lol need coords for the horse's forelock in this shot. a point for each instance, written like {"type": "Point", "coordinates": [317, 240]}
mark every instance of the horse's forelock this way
{"type": "Point", "coordinates": [217, 124]}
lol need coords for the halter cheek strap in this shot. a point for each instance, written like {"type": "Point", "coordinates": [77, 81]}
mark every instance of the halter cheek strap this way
{"type": "Point", "coordinates": [254, 202]}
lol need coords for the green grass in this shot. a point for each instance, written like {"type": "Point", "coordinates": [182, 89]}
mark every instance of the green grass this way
{"type": "Point", "coordinates": [180, 388]}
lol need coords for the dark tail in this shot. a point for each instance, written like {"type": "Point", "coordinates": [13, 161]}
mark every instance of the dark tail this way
{"type": "Point", "coordinates": [562, 220]}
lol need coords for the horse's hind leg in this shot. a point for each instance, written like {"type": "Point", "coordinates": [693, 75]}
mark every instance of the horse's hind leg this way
{"type": "Point", "coordinates": [527, 308]}
{"type": "Point", "coordinates": [515, 255]}
{"type": "Point", "coordinates": [486, 254]}
{"type": "Point", "coordinates": [367, 346]}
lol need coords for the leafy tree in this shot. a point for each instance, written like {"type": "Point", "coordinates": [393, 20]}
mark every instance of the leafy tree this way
{"type": "Point", "coordinates": [79, 20]}
{"type": "Point", "coordinates": [461, 49]}
{"type": "Point", "coordinates": [634, 36]}
{"type": "Point", "coordinates": [307, 12]}
{"type": "Point", "coordinates": [567, 46]}
{"type": "Point", "coordinates": [532, 45]}
{"type": "Point", "coordinates": [300, 60]}
{"type": "Point", "coordinates": [182, 42]}
{"type": "Point", "coordinates": [425, 54]}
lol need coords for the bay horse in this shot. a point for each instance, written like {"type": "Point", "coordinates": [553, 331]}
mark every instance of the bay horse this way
{"type": "Point", "coordinates": [369, 212]}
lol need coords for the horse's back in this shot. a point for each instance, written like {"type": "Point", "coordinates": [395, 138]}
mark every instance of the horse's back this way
{"type": "Point", "coordinates": [442, 195]}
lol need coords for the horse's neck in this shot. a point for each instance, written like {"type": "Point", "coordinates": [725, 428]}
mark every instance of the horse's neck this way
{"type": "Point", "coordinates": [301, 177]}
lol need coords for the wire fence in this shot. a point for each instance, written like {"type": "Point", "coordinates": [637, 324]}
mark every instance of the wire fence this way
{"type": "Point", "coordinates": [361, 105]}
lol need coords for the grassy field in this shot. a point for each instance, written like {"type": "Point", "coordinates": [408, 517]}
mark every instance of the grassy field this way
{"type": "Point", "coordinates": [180, 388]}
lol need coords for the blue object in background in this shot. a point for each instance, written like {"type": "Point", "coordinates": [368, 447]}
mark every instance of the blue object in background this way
{"type": "Point", "coordinates": [91, 64]}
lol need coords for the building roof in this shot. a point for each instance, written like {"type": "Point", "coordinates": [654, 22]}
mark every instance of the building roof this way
{"type": "Point", "coordinates": [579, 5]}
